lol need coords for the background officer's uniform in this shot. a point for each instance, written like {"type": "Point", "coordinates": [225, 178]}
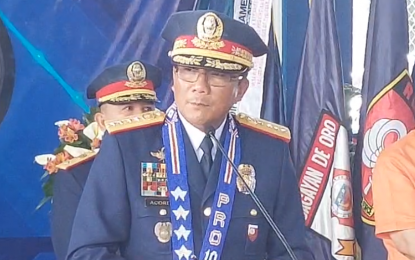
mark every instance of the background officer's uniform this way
{"type": "Point", "coordinates": [118, 209]}
{"type": "Point", "coordinates": [69, 181]}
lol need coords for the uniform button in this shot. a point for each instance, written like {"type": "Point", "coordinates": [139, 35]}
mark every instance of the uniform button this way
{"type": "Point", "coordinates": [253, 212]}
{"type": "Point", "coordinates": [207, 211]}
{"type": "Point", "coordinates": [163, 212]}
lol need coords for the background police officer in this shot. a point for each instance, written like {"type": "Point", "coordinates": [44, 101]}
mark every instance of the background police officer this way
{"type": "Point", "coordinates": [115, 100]}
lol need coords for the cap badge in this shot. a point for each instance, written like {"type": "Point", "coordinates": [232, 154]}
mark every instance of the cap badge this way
{"type": "Point", "coordinates": [136, 74]}
{"type": "Point", "coordinates": [209, 32]}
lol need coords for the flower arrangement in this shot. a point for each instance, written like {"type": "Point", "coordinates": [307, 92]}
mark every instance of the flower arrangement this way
{"type": "Point", "coordinates": [76, 138]}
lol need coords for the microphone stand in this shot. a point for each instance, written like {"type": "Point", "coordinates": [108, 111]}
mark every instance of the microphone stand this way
{"type": "Point", "coordinates": [256, 200]}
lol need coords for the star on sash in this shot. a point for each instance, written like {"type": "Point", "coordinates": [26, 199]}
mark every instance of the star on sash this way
{"type": "Point", "coordinates": [181, 213]}
{"type": "Point", "coordinates": [183, 252]}
{"type": "Point", "coordinates": [182, 232]}
{"type": "Point", "coordinates": [178, 193]}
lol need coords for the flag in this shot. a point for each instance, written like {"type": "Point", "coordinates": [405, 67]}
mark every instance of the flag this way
{"type": "Point", "coordinates": [273, 108]}
{"type": "Point", "coordinates": [225, 7]}
{"type": "Point", "coordinates": [319, 143]}
{"type": "Point", "coordinates": [413, 73]}
{"type": "Point", "coordinates": [387, 109]}
{"type": "Point", "coordinates": [222, 6]}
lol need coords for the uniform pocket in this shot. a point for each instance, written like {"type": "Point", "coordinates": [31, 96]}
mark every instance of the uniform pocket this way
{"type": "Point", "coordinates": [251, 231]}
{"type": "Point", "coordinates": [154, 229]}
{"type": "Point", "coordinates": [256, 236]}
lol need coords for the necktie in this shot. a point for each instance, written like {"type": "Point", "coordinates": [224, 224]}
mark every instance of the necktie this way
{"type": "Point", "coordinates": [207, 160]}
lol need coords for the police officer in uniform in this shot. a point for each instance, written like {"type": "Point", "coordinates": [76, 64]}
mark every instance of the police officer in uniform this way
{"type": "Point", "coordinates": [161, 189]}
{"type": "Point", "coordinates": [116, 99]}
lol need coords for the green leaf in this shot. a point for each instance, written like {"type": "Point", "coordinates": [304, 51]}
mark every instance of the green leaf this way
{"type": "Point", "coordinates": [43, 202]}
{"type": "Point", "coordinates": [46, 174]}
{"type": "Point", "coordinates": [47, 187]}
{"type": "Point", "coordinates": [60, 148]}
{"type": "Point", "coordinates": [79, 142]}
{"type": "Point", "coordinates": [86, 119]}
{"type": "Point", "coordinates": [84, 138]}
{"type": "Point", "coordinates": [89, 118]}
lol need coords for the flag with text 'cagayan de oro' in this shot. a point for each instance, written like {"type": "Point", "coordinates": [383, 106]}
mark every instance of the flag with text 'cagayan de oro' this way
{"type": "Point", "coordinates": [319, 143]}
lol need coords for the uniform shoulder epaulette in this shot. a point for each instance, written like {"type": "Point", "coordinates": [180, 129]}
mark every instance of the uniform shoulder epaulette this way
{"type": "Point", "coordinates": [135, 122]}
{"type": "Point", "coordinates": [263, 126]}
{"type": "Point", "coordinates": [69, 164]}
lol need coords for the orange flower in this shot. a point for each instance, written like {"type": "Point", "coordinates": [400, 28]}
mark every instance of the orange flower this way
{"type": "Point", "coordinates": [61, 157]}
{"type": "Point", "coordinates": [96, 143]}
{"type": "Point", "coordinates": [70, 136]}
{"type": "Point", "coordinates": [51, 166]}
{"type": "Point", "coordinates": [63, 129]}
{"type": "Point", "coordinates": [67, 134]}
{"type": "Point", "coordinates": [76, 125]}
{"type": "Point", "coordinates": [67, 156]}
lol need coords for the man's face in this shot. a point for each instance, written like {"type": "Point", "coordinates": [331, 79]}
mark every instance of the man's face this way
{"type": "Point", "coordinates": [204, 97]}
{"type": "Point", "coordinates": [114, 112]}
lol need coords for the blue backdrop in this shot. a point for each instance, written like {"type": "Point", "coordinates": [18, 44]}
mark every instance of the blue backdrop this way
{"type": "Point", "coordinates": [58, 46]}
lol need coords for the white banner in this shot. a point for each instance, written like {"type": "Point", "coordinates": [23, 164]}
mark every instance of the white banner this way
{"type": "Point", "coordinates": [258, 15]}
{"type": "Point", "coordinates": [277, 24]}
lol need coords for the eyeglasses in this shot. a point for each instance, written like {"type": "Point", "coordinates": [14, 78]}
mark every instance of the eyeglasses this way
{"type": "Point", "coordinates": [214, 78]}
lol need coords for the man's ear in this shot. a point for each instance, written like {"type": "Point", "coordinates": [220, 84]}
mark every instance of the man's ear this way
{"type": "Point", "coordinates": [241, 90]}
{"type": "Point", "coordinates": [100, 119]}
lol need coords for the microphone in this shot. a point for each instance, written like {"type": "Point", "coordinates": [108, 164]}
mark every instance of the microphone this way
{"type": "Point", "coordinates": [254, 197]}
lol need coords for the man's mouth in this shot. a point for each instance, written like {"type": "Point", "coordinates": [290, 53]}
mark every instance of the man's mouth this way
{"type": "Point", "coordinates": [198, 103]}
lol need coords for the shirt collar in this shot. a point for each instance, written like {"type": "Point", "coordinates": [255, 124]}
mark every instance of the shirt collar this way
{"type": "Point", "coordinates": [196, 136]}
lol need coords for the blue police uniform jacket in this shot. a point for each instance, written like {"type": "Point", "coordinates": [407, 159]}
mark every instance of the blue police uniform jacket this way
{"type": "Point", "coordinates": [67, 190]}
{"type": "Point", "coordinates": [113, 215]}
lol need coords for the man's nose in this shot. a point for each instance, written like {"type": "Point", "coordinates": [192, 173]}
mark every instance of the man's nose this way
{"type": "Point", "coordinates": [202, 84]}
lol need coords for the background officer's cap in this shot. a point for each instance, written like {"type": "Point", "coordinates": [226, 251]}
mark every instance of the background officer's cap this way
{"type": "Point", "coordinates": [125, 83]}
{"type": "Point", "coordinates": [213, 40]}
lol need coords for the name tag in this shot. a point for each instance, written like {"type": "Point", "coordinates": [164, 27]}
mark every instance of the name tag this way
{"type": "Point", "coordinates": [151, 202]}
